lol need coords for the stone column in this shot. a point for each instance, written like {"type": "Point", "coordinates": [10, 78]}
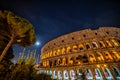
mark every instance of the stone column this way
{"type": "Point", "coordinates": [112, 72]}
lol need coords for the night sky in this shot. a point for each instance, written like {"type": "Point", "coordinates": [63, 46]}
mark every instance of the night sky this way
{"type": "Point", "coordinates": [53, 18]}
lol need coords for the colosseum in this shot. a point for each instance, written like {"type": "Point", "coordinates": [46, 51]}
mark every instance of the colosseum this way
{"type": "Point", "coordinates": [83, 55]}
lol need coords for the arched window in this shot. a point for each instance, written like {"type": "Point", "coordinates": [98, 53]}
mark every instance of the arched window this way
{"type": "Point", "coordinates": [51, 54]}
{"type": "Point", "coordinates": [64, 61]}
{"type": "Point", "coordinates": [48, 54]}
{"type": "Point", "coordinates": [55, 62]}
{"type": "Point", "coordinates": [58, 51]}
{"type": "Point", "coordinates": [115, 42]}
{"type": "Point", "coordinates": [55, 75]}
{"type": "Point", "coordinates": [108, 56]}
{"type": "Point", "coordinates": [94, 45]}
{"type": "Point", "coordinates": [47, 63]}
{"type": "Point", "coordinates": [87, 46]}
{"type": "Point", "coordinates": [68, 49]}
{"type": "Point", "coordinates": [75, 48]}
{"type": "Point", "coordinates": [81, 47]}
{"type": "Point", "coordinates": [63, 50]}
{"type": "Point", "coordinates": [84, 59]}
{"type": "Point", "coordinates": [92, 58]}
{"type": "Point", "coordinates": [79, 72]}
{"type": "Point", "coordinates": [59, 61]}
{"type": "Point", "coordinates": [47, 71]}
{"type": "Point", "coordinates": [108, 74]}
{"type": "Point", "coordinates": [66, 75]}
{"type": "Point", "coordinates": [108, 43]}
{"type": "Point", "coordinates": [54, 53]}
{"type": "Point", "coordinates": [101, 43]}
{"type": "Point", "coordinates": [98, 74]}
{"type": "Point", "coordinates": [60, 75]}
{"type": "Point", "coordinates": [115, 55]}
{"type": "Point", "coordinates": [117, 72]}
{"type": "Point", "coordinates": [50, 63]}
{"type": "Point", "coordinates": [89, 74]}
{"type": "Point", "coordinates": [50, 73]}
{"type": "Point", "coordinates": [72, 74]}
{"type": "Point", "coordinates": [99, 56]}
{"type": "Point", "coordinates": [78, 59]}
{"type": "Point", "coordinates": [70, 60]}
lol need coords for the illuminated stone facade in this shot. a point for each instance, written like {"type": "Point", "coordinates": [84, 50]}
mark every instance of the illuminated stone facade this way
{"type": "Point", "coordinates": [88, 54]}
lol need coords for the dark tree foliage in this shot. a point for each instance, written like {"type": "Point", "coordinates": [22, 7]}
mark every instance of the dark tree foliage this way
{"type": "Point", "coordinates": [15, 30]}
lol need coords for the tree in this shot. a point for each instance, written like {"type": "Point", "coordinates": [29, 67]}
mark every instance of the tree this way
{"type": "Point", "coordinates": [15, 30]}
{"type": "Point", "coordinates": [6, 62]}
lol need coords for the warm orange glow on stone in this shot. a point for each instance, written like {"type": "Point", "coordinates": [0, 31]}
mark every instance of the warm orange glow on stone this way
{"type": "Point", "coordinates": [19, 40]}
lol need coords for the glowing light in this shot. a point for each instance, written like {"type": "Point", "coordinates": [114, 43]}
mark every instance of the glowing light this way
{"type": "Point", "coordinates": [98, 66]}
{"type": "Point", "coordinates": [37, 43]}
{"type": "Point", "coordinates": [105, 65]}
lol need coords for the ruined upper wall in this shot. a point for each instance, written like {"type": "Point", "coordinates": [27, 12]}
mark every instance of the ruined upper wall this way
{"type": "Point", "coordinates": [82, 35]}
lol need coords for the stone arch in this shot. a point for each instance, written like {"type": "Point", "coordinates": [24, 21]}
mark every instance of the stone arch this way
{"type": "Point", "coordinates": [54, 53]}
{"type": "Point", "coordinates": [51, 54]}
{"type": "Point", "coordinates": [114, 42]}
{"type": "Point", "coordinates": [78, 59]}
{"type": "Point", "coordinates": [64, 61]}
{"type": "Point", "coordinates": [54, 74]}
{"type": "Point", "coordinates": [71, 60]}
{"type": "Point", "coordinates": [108, 56]}
{"type": "Point", "coordinates": [98, 74]}
{"type": "Point", "coordinates": [89, 75]}
{"type": "Point", "coordinates": [58, 51]}
{"type": "Point", "coordinates": [92, 58]}
{"type": "Point", "coordinates": [108, 43]}
{"type": "Point", "coordinates": [59, 61]}
{"type": "Point", "coordinates": [63, 50]}
{"type": "Point", "coordinates": [108, 74]}
{"type": "Point", "coordinates": [115, 55]}
{"type": "Point", "coordinates": [72, 74]}
{"type": "Point", "coordinates": [50, 73]}
{"type": "Point", "coordinates": [55, 62]}
{"type": "Point", "coordinates": [47, 71]}
{"type": "Point", "coordinates": [68, 50]}
{"type": "Point", "coordinates": [65, 74]}
{"type": "Point", "coordinates": [101, 44]}
{"type": "Point", "coordinates": [95, 45]}
{"type": "Point", "coordinates": [75, 48]}
{"type": "Point", "coordinates": [88, 46]}
{"type": "Point", "coordinates": [117, 72]}
{"type": "Point", "coordinates": [79, 74]}
{"type": "Point", "coordinates": [99, 56]}
{"type": "Point", "coordinates": [81, 47]}
{"type": "Point", "coordinates": [60, 75]}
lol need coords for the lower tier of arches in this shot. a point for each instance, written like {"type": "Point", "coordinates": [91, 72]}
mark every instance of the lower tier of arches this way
{"type": "Point", "coordinates": [85, 72]}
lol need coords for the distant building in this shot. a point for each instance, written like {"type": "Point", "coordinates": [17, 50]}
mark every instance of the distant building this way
{"type": "Point", "coordinates": [88, 54]}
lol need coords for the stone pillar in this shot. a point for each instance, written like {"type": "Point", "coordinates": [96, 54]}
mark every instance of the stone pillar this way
{"type": "Point", "coordinates": [102, 72]}
{"type": "Point", "coordinates": [69, 74]}
{"type": "Point", "coordinates": [93, 72]}
{"type": "Point", "coordinates": [112, 72]}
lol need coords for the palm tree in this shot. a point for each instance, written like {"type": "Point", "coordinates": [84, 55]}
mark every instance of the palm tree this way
{"type": "Point", "coordinates": [15, 30]}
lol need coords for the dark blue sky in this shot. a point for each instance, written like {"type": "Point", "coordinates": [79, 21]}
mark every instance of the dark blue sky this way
{"type": "Point", "coordinates": [52, 18]}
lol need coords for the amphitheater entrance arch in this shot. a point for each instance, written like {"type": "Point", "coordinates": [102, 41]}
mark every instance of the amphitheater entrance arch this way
{"type": "Point", "coordinates": [60, 75]}
{"type": "Point", "coordinates": [117, 73]}
{"type": "Point", "coordinates": [89, 74]}
{"type": "Point", "coordinates": [79, 74]}
{"type": "Point", "coordinates": [50, 73]}
{"type": "Point", "coordinates": [108, 74]}
{"type": "Point", "coordinates": [66, 75]}
{"type": "Point", "coordinates": [72, 74]}
{"type": "Point", "coordinates": [98, 74]}
{"type": "Point", "coordinates": [55, 75]}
